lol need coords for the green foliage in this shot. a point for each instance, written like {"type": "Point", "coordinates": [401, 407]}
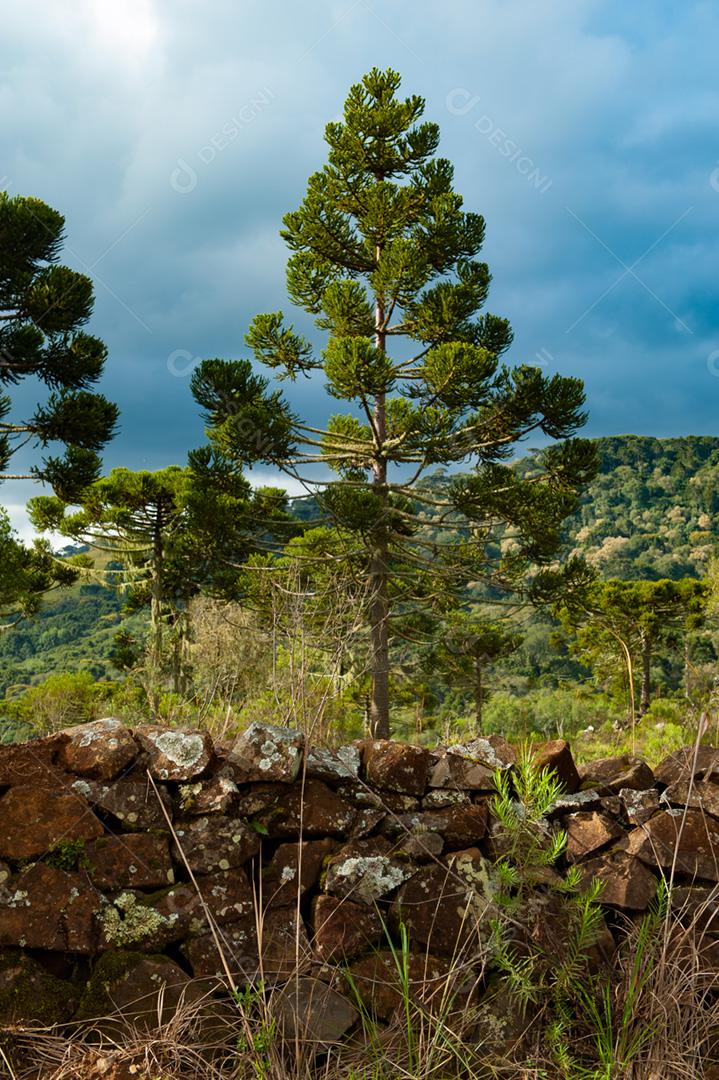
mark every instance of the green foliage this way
{"type": "Point", "coordinates": [625, 621]}
{"type": "Point", "coordinates": [523, 836]}
{"type": "Point", "coordinates": [618, 1038]}
{"type": "Point", "coordinates": [259, 1033]}
{"type": "Point", "coordinates": [173, 533]}
{"type": "Point", "coordinates": [467, 650]}
{"type": "Point", "coordinates": [548, 713]}
{"type": "Point", "coordinates": [652, 510]}
{"type": "Point", "coordinates": [531, 971]}
{"type": "Point", "coordinates": [383, 252]}
{"type": "Point", "coordinates": [59, 701]}
{"type": "Point", "coordinates": [43, 307]}
{"type": "Point", "coordinates": [68, 855]}
{"type": "Point", "coordinates": [28, 573]}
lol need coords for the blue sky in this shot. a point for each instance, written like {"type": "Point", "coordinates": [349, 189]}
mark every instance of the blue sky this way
{"type": "Point", "coordinates": [174, 134]}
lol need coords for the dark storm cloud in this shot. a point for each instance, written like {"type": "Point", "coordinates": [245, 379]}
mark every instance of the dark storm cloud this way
{"type": "Point", "coordinates": [174, 135]}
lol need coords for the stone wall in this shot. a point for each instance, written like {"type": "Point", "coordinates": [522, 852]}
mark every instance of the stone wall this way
{"type": "Point", "coordinates": [127, 855]}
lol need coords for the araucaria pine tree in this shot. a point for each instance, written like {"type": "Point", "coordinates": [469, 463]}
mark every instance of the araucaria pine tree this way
{"type": "Point", "coordinates": [43, 307]}
{"type": "Point", "coordinates": [385, 257]}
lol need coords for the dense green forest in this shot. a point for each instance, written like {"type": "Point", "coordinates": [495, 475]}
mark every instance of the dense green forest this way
{"type": "Point", "coordinates": [651, 512]}
{"type": "Point", "coordinates": [648, 515]}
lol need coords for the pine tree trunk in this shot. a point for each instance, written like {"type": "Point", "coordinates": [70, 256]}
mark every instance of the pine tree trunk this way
{"type": "Point", "coordinates": [645, 699]}
{"type": "Point", "coordinates": [179, 651]}
{"type": "Point", "coordinates": [156, 594]}
{"type": "Point", "coordinates": [379, 583]}
{"type": "Point", "coordinates": [379, 636]}
{"type": "Point", "coordinates": [687, 670]}
{"type": "Point", "coordinates": [478, 696]}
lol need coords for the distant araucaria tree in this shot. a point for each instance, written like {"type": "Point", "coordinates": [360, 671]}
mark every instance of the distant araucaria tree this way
{"type": "Point", "coordinates": [43, 307]}
{"type": "Point", "coordinates": [384, 256]}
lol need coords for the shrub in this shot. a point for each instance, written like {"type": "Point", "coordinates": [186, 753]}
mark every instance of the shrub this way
{"type": "Point", "coordinates": [548, 713]}
{"type": "Point", "coordinates": [59, 701]}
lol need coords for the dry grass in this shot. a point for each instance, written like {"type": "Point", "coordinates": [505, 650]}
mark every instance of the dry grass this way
{"type": "Point", "coordinates": [659, 1022]}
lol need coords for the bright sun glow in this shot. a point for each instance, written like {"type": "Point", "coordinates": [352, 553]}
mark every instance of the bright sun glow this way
{"type": "Point", "coordinates": [129, 27]}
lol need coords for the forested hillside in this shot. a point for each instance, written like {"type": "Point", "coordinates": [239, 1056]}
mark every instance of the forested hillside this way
{"type": "Point", "coordinates": [649, 514]}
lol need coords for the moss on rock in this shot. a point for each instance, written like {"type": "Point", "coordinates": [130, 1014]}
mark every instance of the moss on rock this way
{"type": "Point", "coordinates": [29, 993]}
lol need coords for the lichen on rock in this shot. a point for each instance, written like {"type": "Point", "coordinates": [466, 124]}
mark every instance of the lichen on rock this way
{"type": "Point", "coordinates": [128, 921]}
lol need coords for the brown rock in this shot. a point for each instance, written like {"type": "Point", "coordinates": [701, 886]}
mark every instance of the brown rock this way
{"type": "Point", "coordinates": [150, 923]}
{"type": "Point", "coordinates": [459, 825]}
{"type": "Point", "coordinates": [379, 984]}
{"type": "Point", "coordinates": [628, 884]}
{"type": "Point", "coordinates": [687, 840]}
{"type": "Point", "coordinates": [391, 802]}
{"type": "Point", "coordinates": [333, 766]}
{"type": "Point", "coordinates": [696, 906]}
{"type": "Point", "coordinates": [214, 843]}
{"type": "Point", "coordinates": [699, 795]}
{"type": "Point", "coordinates": [266, 752]}
{"type": "Point", "coordinates": [239, 948]}
{"type": "Point", "coordinates": [503, 1029]}
{"type": "Point", "coordinates": [400, 826]}
{"type": "Point", "coordinates": [569, 804]}
{"type": "Point", "coordinates": [364, 872]}
{"type": "Point", "coordinates": [307, 810]}
{"type": "Point", "coordinates": [396, 766]}
{"type": "Point", "coordinates": [137, 861]}
{"type": "Point", "coordinates": [31, 995]}
{"type": "Point", "coordinates": [258, 798]}
{"type": "Point", "coordinates": [690, 761]}
{"type": "Point", "coordinates": [610, 775]}
{"type": "Point", "coordinates": [456, 773]}
{"type": "Point", "coordinates": [367, 820]}
{"type": "Point", "coordinates": [227, 895]}
{"type": "Point", "coordinates": [46, 908]}
{"type": "Point", "coordinates": [173, 754]}
{"type": "Point", "coordinates": [132, 990]}
{"type": "Point", "coordinates": [612, 805]}
{"type": "Point", "coordinates": [34, 820]}
{"type": "Point", "coordinates": [442, 910]}
{"type": "Point", "coordinates": [294, 868]}
{"type": "Point", "coordinates": [218, 795]}
{"type": "Point", "coordinates": [285, 946]}
{"type": "Point", "coordinates": [132, 802]}
{"type": "Point", "coordinates": [441, 798]}
{"type": "Point", "coordinates": [35, 764]}
{"type": "Point", "coordinates": [587, 832]}
{"type": "Point", "coordinates": [309, 1011]}
{"type": "Point", "coordinates": [639, 806]}
{"type": "Point", "coordinates": [463, 825]}
{"type": "Point", "coordinates": [341, 928]}
{"type": "Point", "coordinates": [471, 766]}
{"type": "Point", "coordinates": [100, 750]}
{"type": "Point", "coordinates": [491, 750]}
{"type": "Point", "coordinates": [420, 846]}
{"type": "Point", "coordinates": [556, 757]}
